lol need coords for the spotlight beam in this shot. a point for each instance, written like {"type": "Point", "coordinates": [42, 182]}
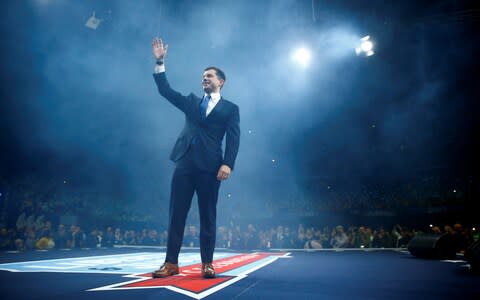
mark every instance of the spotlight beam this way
{"type": "Point", "coordinates": [302, 56]}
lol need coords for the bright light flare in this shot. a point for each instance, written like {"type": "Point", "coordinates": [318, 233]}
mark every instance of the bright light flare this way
{"type": "Point", "coordinates": [365, 47]}
{"type": "Point", "coordinates": [302, 57]}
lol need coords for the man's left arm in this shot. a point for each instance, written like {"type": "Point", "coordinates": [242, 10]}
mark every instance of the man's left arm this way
{"type": "Point", "coordinates": [232, 143]}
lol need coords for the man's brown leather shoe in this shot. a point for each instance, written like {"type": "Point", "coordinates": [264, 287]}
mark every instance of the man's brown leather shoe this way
{"type": "Point", "coordinates": [167, 269]}
{"type": "Point", "coordinates": [208, 271]}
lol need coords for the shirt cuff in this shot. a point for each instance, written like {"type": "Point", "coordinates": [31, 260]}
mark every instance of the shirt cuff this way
{"type": "Point", "coordinates": [159, 69]}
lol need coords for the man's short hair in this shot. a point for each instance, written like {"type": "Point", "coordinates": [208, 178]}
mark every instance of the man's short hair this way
{"type": "Point", "coordinates": [220, 73]}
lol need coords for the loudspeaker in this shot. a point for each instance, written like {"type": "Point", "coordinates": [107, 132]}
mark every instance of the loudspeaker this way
{"type": "Point", "coordinates": [435, 246]}
{"type": "Point", "coordinates": [472, 255]}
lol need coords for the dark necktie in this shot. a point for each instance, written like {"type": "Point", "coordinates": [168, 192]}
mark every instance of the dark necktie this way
{"type": "Point", "coordinates": [204, 105]}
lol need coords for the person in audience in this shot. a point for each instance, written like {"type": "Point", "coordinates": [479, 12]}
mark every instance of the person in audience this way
{"type": "Point", "coordinates": [152, 238]}
{"type": "Point", "coordinates": [94, 239]}
{"type": "Point", "coordinates": [118, 237]}
{"type": "Point", "coordinates": [109, 237]}
{"type": "Point", "coordinates": [60, 237]}
{"type": "Point", "coordinates": [310, 241]}
{"type": "Point", "coordinates": [461, 240]}
{"type": "Point", "coordinates": [339, 238]}
{"type": "Point", "coordinates": [381, 239]}
{"type": "Point", "coordinates": [278, 238]}
{"type": "Point", "coordinates": [31, 239]}
{"type": "Point", "coordinates": [78, 237]}
{"type": "Point", "coordinates": [252, 240]}
{"type": "Point", "coordinates": [129, 237]}
{"type": "Point", "coordinates": [191, 238]}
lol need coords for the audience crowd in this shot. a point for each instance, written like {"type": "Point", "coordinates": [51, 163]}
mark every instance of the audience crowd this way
{"type": "Point", "coordinates": [36, 233]}
{"type": "Point", "coordinates": [35, 210]}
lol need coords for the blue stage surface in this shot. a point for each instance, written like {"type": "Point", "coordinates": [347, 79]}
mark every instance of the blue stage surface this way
{"type": "Point", "coordinates": [124, 273]}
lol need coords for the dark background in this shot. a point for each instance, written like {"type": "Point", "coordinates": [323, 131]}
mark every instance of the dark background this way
{"type": "Point", "coordinates": [80, 116]}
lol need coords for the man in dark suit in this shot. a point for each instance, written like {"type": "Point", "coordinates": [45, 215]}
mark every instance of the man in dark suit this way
{"type": "Point", "coordinates": [200, 165]}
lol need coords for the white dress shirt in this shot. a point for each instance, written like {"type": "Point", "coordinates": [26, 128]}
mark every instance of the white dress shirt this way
{"type": "Point", "coordinates": [215, 97]}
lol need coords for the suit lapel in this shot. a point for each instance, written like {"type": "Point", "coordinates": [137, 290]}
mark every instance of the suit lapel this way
{"type": "Point", "coordinates": [197, 110]}
{"type": "Point", "coordinates": [217, 109]}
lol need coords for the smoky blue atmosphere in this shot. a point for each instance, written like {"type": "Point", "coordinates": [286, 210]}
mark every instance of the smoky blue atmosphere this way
{"type": "Point", "coordinates": [81, 118]}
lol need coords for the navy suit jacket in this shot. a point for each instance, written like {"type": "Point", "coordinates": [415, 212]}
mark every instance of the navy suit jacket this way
{"type": "Point", "coordinates": [208, 132]}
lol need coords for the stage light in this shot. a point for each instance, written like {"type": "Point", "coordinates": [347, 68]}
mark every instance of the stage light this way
{"type": "Point", "coordinates": [93, 22]}
{"type": "Point", "coordinates": [431, 225]}
{"type": "Point", "coordinates": [365, 47]}
{"type": "Point", "coordinates": [302, 57]}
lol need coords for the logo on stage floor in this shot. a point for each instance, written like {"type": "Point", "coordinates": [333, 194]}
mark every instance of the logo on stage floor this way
{"type": "Point", "coordinates": [190, 282]}
{"type": "Point", "coordinates": [230, 268]}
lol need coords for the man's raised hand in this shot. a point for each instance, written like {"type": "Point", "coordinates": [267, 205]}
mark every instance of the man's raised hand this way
{"type": "Point", "coordinates": [159, 49]}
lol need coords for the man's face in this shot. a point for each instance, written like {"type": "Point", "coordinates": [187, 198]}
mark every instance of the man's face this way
{"type": "Point", "coordinates": [211, 83]}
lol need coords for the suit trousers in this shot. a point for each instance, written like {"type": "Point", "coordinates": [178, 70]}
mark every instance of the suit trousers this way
{"type": "Point", "coordinates": [187, 180]}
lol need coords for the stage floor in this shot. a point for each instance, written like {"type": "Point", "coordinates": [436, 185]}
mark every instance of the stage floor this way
{"type": "Point", "coordinates": [124, 273]}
